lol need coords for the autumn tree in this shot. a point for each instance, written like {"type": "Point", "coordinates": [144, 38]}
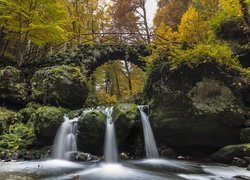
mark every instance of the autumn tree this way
{"type": "Point", "coordinates": [170, 12]}
{"type": "Point", "coordinates": [131, 16]}
{"type": "Point", "coordinates": [29, 25]}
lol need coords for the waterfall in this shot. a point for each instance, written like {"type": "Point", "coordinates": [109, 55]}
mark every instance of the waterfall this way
{"type": "Point", "coordinates": [110, 148]}
{"type": "Point", "coordinates": [150, 145]}
{"type": "Point", "coordinates": [65, 141]}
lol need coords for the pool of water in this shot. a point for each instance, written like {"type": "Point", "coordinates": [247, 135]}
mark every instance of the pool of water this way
{"type": "Point", "coordinates": [150, 169]}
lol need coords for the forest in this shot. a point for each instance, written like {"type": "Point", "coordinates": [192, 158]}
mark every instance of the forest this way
{"type": "Point", "coordinates": [102, 81]}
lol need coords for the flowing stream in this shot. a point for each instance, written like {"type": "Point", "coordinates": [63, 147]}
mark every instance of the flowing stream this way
{"type": "Point", "coordinates": [65, 141]}
{"type": "Point", "coordinates": [110, 148]}
{"type": "Point", "coordinates": [150, 145]}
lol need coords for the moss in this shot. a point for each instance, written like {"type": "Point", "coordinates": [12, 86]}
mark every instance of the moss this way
{"type": "Point", "coordinates": [26, 113]}
{"type": "Point", "coordinates": [18, 136]}
{"type": "Point", "coordinates": [125, 111]}
{"type": "Point", "coordinates": [226, 154]}
{"type": "Point", "coordinates": [7, 118]}
{"type": "Point", "coordinates": [46, 120]}
{"type": "Point", "coordinates": [125, 116]}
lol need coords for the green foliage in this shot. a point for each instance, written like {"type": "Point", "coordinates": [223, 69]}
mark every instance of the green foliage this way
{"type": "Point", "coordinates": [201, 53]}
{"type": "Point", "coordinates": [228, 10]}
{"type": "Point", "coordinates": [7, 118]}
{"type": "Point", "coordinates": [18, 136]}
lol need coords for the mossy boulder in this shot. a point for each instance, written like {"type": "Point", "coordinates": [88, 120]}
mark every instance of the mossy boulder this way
{"type": "Point", "coordinates": [91, 132]}
{"type": "Point", "coordinates": [7, 118]}
{"type": "Point", "coordinates": [26, 113]}
{"type": "Point", "coordinates": [13, 90]}
{"type": "Point", "coordinates": [199, 107]}
{"type": "Point", "coordinates": [245, 135]}
{"type": "Point", "coordinates": [60, 85]}
{"type": "Point", "coordinates": [46, 120]}
{"type": "Point", "coordinates": [125, 116]}
{"type": "Point", "coordinates": [227, 154]}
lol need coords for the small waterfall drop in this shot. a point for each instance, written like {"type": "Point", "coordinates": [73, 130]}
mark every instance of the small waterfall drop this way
{"type": "Point", "coordinates": [110, 148]}
{"type": "Point", "coordinates": [150, 145]}
{"type": "Point", "coordinates": [65, 141]}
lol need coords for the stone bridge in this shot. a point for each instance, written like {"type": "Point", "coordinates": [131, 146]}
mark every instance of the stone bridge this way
{"type": "Point", "coordinates": [93, 56]}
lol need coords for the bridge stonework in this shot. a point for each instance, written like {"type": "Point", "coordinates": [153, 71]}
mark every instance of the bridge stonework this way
{"type": "Point", "coordinates": [93, 56]}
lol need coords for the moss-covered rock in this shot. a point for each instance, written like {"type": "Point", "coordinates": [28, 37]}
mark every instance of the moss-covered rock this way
{"type": "Point", "coordinates": [46, 120]}
{"type": "Point", "coordinates": [245, 135]}
{"type": "Point", "coordinates": [91, 128]}
{"type": "Point", "coordinates": [7, 118]}
{"type": "Point", "coordinates": [26, 113]}
{"type": "Point", "coordinates": [125, 116]}
{"type": "Point", "coordinates": [226, 154]}
{"type": "Point", "coordinates": [13, 90]}
{"type": "Point", "coordinates": [60, 85]}
{"type": "Point", "coordinates": [195, 107]}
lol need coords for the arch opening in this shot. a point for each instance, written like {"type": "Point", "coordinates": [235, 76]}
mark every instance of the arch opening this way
{"type": "Point", "coordinates": [115, 81]}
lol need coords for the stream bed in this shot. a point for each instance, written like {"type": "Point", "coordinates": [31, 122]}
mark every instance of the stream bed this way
{"type": "Point", "coordinates": [148, 169]}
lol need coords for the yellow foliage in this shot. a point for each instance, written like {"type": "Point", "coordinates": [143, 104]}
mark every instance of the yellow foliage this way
{"type": "Point", "coordinates": [166, 37]}
{"type": "Point", "coordinates": [193, 29]}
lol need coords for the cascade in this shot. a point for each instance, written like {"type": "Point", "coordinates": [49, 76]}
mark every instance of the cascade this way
{"type": "Point", "coordinates": [110, 147]}
{"type": "Point", "coordinates": [65, 140]}
{"type": "Point", "coordinates": [150, 145]}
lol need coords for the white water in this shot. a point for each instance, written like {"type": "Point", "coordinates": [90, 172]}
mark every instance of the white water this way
{"type": "Point", "coordinates": [150, 145]}
{"type": "Point", "coordinates": [110, 148]}
{"type": "Point", "coordinates": [65, 141]}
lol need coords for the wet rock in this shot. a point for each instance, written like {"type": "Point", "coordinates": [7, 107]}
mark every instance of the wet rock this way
{"type": "Point", "coordinates": [226, 154]}
{"type": "Point", "coordinates": [124, 156]}
{"type": "Point", "coordinates": [245, 135]}
{"type": "Point", "coordinates": [13, 90]}
{"type": "Point", "coordinates": [46, 120]}
{"type": "Point", "coordinates": [168, 153]}
{"type": "Point", "coordinates": [239, 162]}
{"type": "Point", "coordinates": [60, 86]}
{"type": "Point", "coordinates": [200, 106]}
{"type": "Point", "coordinates": [81, 156]}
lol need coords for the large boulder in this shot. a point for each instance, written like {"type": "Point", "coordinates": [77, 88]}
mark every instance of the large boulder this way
{"type": "Point", "coordinates": [46, 120]}
{"type": "Point", "coordinates": [196, 107]}
{"type": "Point", "coordinates": [91, 132]}
{"type": "Point", "coordinates": [60, 85]}
{"type": "Point", "coordinates": [13, 90]}
{"type": "Point", "coordinates": [227, 154]}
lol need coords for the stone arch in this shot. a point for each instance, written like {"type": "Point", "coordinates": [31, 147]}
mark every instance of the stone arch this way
{"type": "Point", "coordinates": [94, 56]}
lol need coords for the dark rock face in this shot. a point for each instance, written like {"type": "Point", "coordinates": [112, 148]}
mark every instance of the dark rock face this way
{"type": "Point", "coordinates": [60, 85]}
{"type": "Point", "coordinates": [196, 107]}
{"type": "Point", "coordinates": [13, 90]}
